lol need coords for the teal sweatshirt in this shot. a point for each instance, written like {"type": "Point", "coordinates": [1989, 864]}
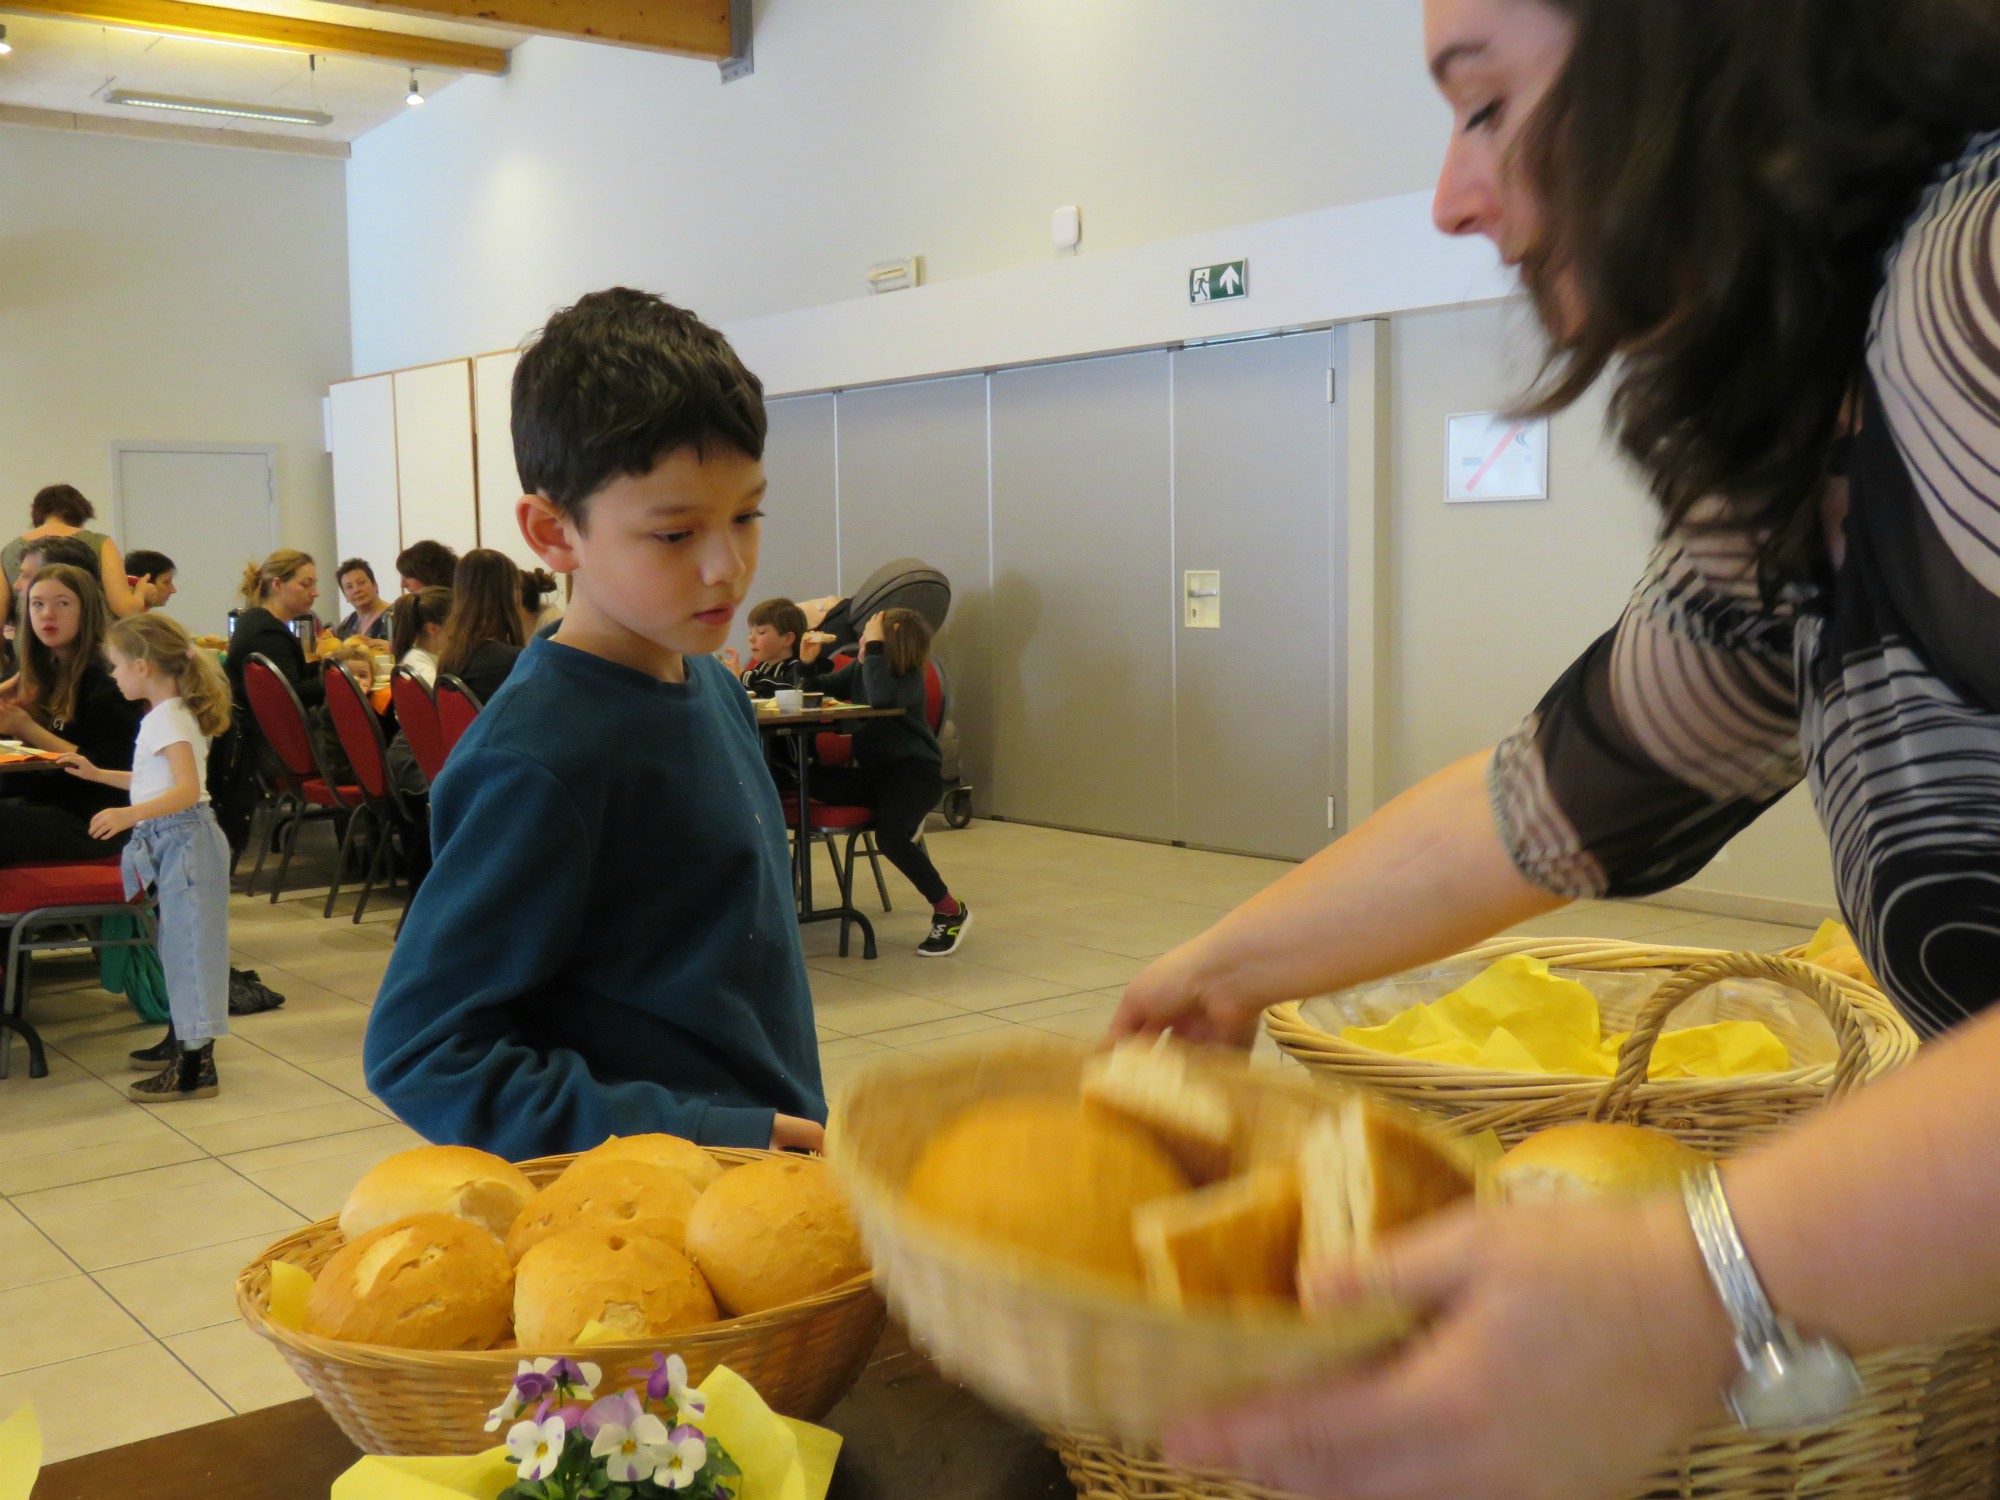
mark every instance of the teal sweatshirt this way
{"type": "Point", "coordinates": [606, 943]}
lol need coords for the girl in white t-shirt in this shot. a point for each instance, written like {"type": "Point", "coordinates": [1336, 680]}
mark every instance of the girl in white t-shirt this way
{"type": "Point", "coordinates": [176, 845]}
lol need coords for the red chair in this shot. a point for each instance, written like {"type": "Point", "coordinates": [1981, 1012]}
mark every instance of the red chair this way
{"type": "Point", "coordinates": [457, 707]}
{"type": "Point", "coordinates": [34, 898]}
{"type": "Point", "coordinates": [382, 807]}
{"type": "Point", "coordinates": [827, 819]}
{"type": "Point", "coordinates": [305, 783]}
{"type": "Point", "coordinates": [417, 712]}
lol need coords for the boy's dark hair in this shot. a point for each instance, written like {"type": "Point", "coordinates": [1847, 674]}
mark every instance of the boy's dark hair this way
{"type": "Point", "coordinates": [613, 385]}
{"type": "Point", "coordinates": [357, 565]}
{"type": "Point", "coordinates": [63, 501]}
{"type": "Point", "coordinates": [432, 564]}
{"type": "Point", "coordinates": [782, 616]}
{"type": "Point", "coordinates": [67, 551]}
{"type": "Point", "coordinates": [148, 564]}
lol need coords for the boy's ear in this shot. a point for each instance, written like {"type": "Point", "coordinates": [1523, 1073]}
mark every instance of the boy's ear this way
{"type": "Point", "coordinates": [547, 532]}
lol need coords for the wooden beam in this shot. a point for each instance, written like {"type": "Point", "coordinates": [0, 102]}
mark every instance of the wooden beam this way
{"type": "Point", "coordinates": [687, 28]}
{"type": "Point", "coordinates": [212, 23]}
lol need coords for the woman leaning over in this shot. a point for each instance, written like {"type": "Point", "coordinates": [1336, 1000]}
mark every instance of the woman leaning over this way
{"type": "Point", "coordinates": [62, 510]}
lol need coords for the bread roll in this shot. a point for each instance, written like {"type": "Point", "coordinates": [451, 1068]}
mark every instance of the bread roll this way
{"type": "Point", "coordinates": [634, 1196]}
{"type": "Point", "coordinates": [1593, 1161]}
{"type": "Point", "coordinates": [1365, 1170]}
{"type": "Point", "coordinates": [1148, 1083]}
{"type": "Point", "coordinates": [637, 1286]}
{"type": "Point", "coordinates": [431, 1281]}
{"type": "Point", "coordinates": [1048, 1177]}
{"type": "Point", "coordinates": [1236, 1244]}
{"type": "Point", "coordinates": [454, 1180]}
{"type": "Point", "coordinates": [669, 1151]}
{"type": "Point", "coordinates": [772, 1232]}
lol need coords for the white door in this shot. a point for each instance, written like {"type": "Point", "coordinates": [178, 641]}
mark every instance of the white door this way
{"type": "Point", "coordinates": [212, 509]}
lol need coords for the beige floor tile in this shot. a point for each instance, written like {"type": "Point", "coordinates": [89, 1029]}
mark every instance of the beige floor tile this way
{"type": "Point", "coordinates": [96, 1118]}
{"type": "Point", "coordinates": [848, 1046]}
{"type": "Point", "coordinates": [308, 1037]}
{"type": "Point", "coordinates": [228, 1137]}
{"type": "Point", "coordinates": [864, 1017]}
{"type": "Point", "coordinates": [386, 1136]}
{"type": "Point", "coordinates": [952, 1046]}
{"type": "Point", "coordinates": [193, 1289]}
{"type": "Point", "coordinates": [253, 1083]}
{"type": "Point", "coordinates": [124, 1185]}
{"type": "Point", "coordinates": [27, 1256]}
{"type": "Point", "coordinates": [962, 983]}
{"type": "Point", "coordinates": [58, 1320]}
{"type": "Point", "coordinates": [1037, 1011]}
{"type": "Point", "coordinates": [318, 1188]}
{"type": "Point", "coordinates": [244, 1369]}
{"type": "Point", "coordinates": [343, 1073]}
{"type": "Point", "coordinates": [832, 989]}
{"type": "Point", "coordinates": [109, 1400]}
{"type": "Point", "coordinates": [58, 1168]}
{"type": "Point", "coordinates": [904, 1037]}
{"type": "Point", "coordinates": [834, 1074]}
{"type": "Point", "coordinates": [1752, 937]}
{"type": "Point", "coordinates": [1086, 1025]}
{"type": "Point", "coordinates": [145, 1228]}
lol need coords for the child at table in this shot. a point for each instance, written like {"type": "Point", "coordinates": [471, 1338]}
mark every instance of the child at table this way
{"type": "Point", "coordinates": [607, 943]}
{"type": "Point", "coordinates": [776, 628]}
{"type": "Point", "coordinates": [176, 846]}
{"type": "Point", "coordinates": [897, 766]}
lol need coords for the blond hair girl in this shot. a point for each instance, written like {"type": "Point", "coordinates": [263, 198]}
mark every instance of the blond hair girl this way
{"type": "Point", "coordinates": [167, 649]}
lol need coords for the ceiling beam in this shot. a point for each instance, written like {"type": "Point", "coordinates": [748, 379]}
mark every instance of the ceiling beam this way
{"type": "Point", "coordinates": [687, 28]}
{"type": "Point", "coordinates": [212, 23]}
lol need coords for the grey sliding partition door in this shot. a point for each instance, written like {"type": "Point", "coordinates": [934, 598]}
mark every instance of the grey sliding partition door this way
{"type": "Point", "coordinates": [801, 541]}
{"type": "Point", "coordinates": [1254, 501]}
{"type": "Point", "coordinates": [913, 484]}
{"type": "Point", "coordinates": [1083, 598]}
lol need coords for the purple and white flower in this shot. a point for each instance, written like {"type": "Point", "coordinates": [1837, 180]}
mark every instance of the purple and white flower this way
{"type": "Point", "coordinates": [681, 1458]}
{"type": "Point", "coordinates": [636, 1452]}
{"type": "Point", "coordinates": [537, 1447]}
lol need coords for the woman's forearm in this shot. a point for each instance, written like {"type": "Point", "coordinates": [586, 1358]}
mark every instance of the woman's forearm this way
{"type": "Point", "coordinates": [1423, 877]}
{"type": "Point", "coordinates": [43, 738]}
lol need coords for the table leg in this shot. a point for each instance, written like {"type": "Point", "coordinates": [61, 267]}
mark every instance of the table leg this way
{"type": "Point", "coordinates": [845, 915]}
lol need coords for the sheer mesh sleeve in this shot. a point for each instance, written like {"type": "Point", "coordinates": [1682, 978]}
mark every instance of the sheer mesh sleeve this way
{"type": "Point", "coordinates": [1665, 739]}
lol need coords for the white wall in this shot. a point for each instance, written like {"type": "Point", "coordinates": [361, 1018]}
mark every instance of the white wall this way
{"type": "Point", "coordinates": [871, 129]}
{"type": "Point", "coordinates": [157, 291]}
{"type": "Point", "coordinates": [1491, 603]}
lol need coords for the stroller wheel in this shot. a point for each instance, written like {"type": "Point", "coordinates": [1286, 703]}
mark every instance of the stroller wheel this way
{"type": "Point", "coordinates": [958, 807]}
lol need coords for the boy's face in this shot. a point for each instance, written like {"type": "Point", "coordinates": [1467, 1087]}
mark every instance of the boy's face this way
{"type": "Point", "coordinates": [766, 645]}
{"type": "Point", "coordinates": [667, 556]}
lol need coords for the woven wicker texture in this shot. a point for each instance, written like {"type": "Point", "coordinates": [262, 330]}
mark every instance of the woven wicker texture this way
{"type": "Point", "coordinates": [1061, 1347]}
{"type": "Point", "coordinates": [802, 1357]}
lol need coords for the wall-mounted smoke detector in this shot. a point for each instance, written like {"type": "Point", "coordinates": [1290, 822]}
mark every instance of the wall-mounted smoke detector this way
{"type": "Point", "coordinates": [894, 275]}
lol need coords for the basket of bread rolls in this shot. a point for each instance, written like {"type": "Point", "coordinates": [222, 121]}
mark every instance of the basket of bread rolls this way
{"type": "Point", "coordinates": [448, 1265]}
{"type": "Point", "coordinates": [1335, 1036]}
{"type": "Point", "coordinates": [1103, 1241]}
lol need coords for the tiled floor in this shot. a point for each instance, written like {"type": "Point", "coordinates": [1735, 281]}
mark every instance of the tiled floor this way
{"type": "Point", "coordinates": [122, 1226]}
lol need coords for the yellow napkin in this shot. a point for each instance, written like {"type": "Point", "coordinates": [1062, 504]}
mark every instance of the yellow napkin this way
{"type": "Point", "coordinates": [1517, 1017]}
{"type": "Point", "coordinates": [291, 1286]}
{"type": "Point", "coordinates": [20, 1454]}
{"type": "Point", "coordinates": [781, 1458]}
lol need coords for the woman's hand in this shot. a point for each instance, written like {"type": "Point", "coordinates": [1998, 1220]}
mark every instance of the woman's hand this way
{"type": "Point", "coordinates": [1175, 994]}
{"type": "Point", "coordinates": [790, 1133]}
{"type": "Point", "coordinates": [1567, 1349]}
{"type": "Point", "coordinates": [76, 765]}
{"type": "Point", "coordinates": [111, 822]}
{"type": "Point", "coordinates": [815, 642]}
{"type": "Point", "coordinates": [872, 631]}
{"type": "Point", "coordinates": [15, 721]}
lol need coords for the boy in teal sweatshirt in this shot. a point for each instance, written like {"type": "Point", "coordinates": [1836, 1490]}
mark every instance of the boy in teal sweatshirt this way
{"type": "Point", "coordinates": [606, 943]}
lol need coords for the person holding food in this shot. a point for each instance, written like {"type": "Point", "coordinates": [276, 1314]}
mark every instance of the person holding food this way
{"type": "Point", "coordinates": [1776, 225]}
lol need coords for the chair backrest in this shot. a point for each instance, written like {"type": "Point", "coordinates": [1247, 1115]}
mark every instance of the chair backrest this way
{"type": "Point", "coordinates": [360, 736]}
{"type": "Point", "coordinates": [417, 712]}
{"type": "Point", "coordinates": [834, 749]}
{"type": "Point", "coordinates": [457, 707]}
{"type": "Point", "coordinates": [936, 697]}
{"type": "Point", "coordinates": [281, 718]}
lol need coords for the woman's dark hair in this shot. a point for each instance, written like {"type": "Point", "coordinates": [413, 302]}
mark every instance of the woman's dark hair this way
{"type": "Point", "coordinates": [63, 501]}
{"type": "Point", "coordinates": [618, 382]}
{"type": "Point", "coordinates": [356, 565]}
{"type": "Point", "coordinates": [485, 606]}
{"type": "Point", "coordinates": [411, 613]}
{"type": "Point", "coordinates": [50, 683]}
{"type": "Point", "coordinates": [148, 564]}
{"type": "Point", "coordinates": [536, 586]}
{"type": "Point", "coordinates": [432, 564]}
{"type": "Point", "coordinates": [1719, 182]}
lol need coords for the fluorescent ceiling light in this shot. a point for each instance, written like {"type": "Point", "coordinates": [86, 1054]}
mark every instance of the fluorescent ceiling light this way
{"type": "Point", "coordinates": [270, 114]}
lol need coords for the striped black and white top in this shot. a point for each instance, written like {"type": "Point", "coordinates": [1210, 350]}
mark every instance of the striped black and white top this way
{"type": "Point", "coordinates": [1879, 682]}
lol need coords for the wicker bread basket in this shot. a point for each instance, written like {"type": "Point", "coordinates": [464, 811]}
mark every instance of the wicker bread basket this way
{"type": "Point", "coordinates": [1719, 1115]}
{"type": "Point", "coordinates": [1063, 1348]}
{"type": "Point", "coordinates": [801, 1357]}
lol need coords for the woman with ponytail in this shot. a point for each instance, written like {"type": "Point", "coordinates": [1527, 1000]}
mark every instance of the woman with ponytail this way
{"type": "Point", "coordinates": [176, 846]}
{"type": "Point", "coordinates": [275, 592]}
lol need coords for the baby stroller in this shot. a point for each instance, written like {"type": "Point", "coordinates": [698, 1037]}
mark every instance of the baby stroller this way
{"type": "Point", "coordinates": [909, 583]}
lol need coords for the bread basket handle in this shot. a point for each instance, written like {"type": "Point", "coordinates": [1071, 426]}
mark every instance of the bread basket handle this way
{"type": "Point", "coordinates": [1634, 1058]}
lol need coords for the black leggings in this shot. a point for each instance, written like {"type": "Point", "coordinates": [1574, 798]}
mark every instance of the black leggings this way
{"type": "Point", "coordinates": [902, 794]}
{"type": "Point", "coordinates": [38, 833]}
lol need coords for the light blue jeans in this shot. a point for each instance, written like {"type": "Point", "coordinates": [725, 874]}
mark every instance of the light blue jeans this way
{"type": "Point", "coordinates": [185, 858]}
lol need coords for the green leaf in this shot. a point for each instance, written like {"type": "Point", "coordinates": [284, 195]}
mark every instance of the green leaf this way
{"type": "Point", "coordinates": [720, 1464]}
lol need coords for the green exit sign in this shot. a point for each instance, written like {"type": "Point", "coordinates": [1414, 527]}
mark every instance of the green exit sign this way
{"type": "Point", "coordinates": [1219, 283]}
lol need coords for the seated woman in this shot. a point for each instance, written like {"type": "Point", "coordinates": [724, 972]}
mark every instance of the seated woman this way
{"type": "Point", "coordinates": [275, 592]}
{"type": "Point", "coordinates": [370, 614]}
{"type": "Point", "coordinates": [426, 565]}
{"type": "Point", "coordinates": [154, 570]}
{"type": "Point", "coordinates": [419, 628]}
{"type": "Point", "coordinates": [60, 510]}
{"type": "Point", "coordinates": [484, 636]}
{"type": "Point", "coordinates": [541, 602]}
{"type": "Point", "coordinates": [65, 701]}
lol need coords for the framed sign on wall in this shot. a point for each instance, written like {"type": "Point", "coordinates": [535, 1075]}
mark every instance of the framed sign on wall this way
{"type": "Point", "coordinates": [1491, 456]}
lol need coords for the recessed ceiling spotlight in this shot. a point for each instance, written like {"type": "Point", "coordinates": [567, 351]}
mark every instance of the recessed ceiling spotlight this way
{"type": "Point", "coordinates": [5, 45]}
{"type": "Point", "coordinates": [271, 114]}
{"type": "Point", "coordinates": [416, 95]}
